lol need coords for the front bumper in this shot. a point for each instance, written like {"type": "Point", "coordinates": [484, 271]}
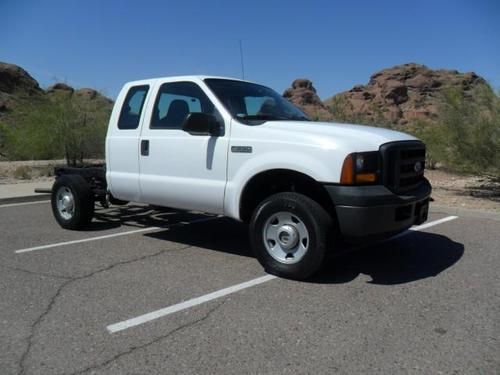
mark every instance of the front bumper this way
{"type": "Point", "coordinates": [375, 211]}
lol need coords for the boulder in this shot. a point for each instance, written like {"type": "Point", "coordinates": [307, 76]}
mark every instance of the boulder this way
{"type": "Point", "coordinates": [15, 80]}
{"type": "Point", "coordinates": [303, 95]}
{"type": "Point", "coordinates": [60, 87]}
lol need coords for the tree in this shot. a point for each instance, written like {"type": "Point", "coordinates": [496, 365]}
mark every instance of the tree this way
{"type": "Point", "coordinates": [467, 135]}
{"type": "Point", "coordinates": [58, 125]}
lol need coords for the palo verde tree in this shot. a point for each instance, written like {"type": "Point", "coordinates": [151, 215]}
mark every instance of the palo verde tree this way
{"type": "Point", "coordinates": [62, 124]}
{"type": "Point", "coordinates": [466, 136]}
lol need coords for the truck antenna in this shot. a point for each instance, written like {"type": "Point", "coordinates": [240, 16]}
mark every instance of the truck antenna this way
{"type": "Point", "coordinates": [241, 58]}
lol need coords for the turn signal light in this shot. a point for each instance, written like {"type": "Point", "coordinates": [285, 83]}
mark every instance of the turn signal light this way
{"type": "Point", "coordinates": [366, 178]}
{"type": "Point", "coordinates": [347, 175]}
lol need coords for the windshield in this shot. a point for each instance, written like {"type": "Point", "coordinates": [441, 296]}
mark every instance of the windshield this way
{"type": "Point", "coordinates": [253, 104]}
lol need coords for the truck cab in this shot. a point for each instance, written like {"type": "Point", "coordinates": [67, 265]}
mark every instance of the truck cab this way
{"type": "Point", "coordinates": [238, 149]}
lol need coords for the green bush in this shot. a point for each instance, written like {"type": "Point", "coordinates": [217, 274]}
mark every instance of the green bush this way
{"type": "Point", "coordinates": [466, 137]}
{"type": "Point", "coordinates": [61, 125]}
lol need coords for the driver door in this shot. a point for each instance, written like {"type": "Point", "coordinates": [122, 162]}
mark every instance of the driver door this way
{"type": "Point", "coordinates": [178, 169]}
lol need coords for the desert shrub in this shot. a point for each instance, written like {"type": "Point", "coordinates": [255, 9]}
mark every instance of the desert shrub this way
{"type": "Point", "coordinates": [23, 172]}
{"type": "Point", "coordinates": [342, 112]}
{"type": "Point", "coordinates": [339, 108]}
{"type": "Point", "coordinates": [466, 137]}
{"type": "Point", "coordinates": [46, 170]}
{"type": "Point", "coordinates": [432, 135]}
{"type": "Point", "coordinates": [61, 125]}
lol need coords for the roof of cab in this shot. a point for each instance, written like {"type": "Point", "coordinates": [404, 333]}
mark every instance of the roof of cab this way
{"type": "Point", "coordinates": [180, 78]}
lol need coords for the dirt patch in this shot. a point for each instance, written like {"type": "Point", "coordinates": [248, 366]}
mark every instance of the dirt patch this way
{"type": "Point", "coordinates": [14, 172]}
{"type": "Point", "coordinates": [464, 191]}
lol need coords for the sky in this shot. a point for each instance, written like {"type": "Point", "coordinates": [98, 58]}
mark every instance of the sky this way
{"type": "Point", "coordinates": [337, 44]}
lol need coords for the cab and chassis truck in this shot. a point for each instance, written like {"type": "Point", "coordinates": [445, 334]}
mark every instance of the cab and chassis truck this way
{"type": "Point", "coordinates": [235, 148]}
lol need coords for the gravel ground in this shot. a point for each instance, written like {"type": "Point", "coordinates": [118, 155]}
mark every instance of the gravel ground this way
{"type": "Point", "coordinates": [463, 191]}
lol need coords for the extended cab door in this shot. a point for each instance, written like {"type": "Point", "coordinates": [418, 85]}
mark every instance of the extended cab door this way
{"type": "Point", "coordinates": [122, 141]}
{"type": "Point", "coordinates": [178, 169]}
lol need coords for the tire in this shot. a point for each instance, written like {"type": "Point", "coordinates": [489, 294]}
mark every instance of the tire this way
{"type": "Point", "coordinates": [72, 202]}
{"type": "Point", "coordinates": [290, 234]}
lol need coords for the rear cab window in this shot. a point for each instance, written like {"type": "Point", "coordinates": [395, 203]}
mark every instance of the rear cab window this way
{"type": "Point", "coordinates": [133, 104]}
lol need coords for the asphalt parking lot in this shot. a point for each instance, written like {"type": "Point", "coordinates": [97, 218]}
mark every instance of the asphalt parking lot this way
{"type": "Point", "coordinates": [144, 291]}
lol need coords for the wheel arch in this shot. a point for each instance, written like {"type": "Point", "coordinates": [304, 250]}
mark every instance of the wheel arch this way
{"type": "Point", "coordinates": [279, 180]}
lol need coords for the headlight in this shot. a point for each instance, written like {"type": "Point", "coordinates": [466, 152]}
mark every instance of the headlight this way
{"type": "Point", "coordinates": [360, 162]}
{"type": "Point", "coordinates": [361, 168]}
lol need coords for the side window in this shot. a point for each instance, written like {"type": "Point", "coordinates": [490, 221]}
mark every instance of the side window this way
{"type": "Point", "coordinates": [132, 107]}
{"type": "Point", "coordinates": [175, 101]}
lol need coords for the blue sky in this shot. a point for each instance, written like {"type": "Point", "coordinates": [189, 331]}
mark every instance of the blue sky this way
{"type": "Point", "coordinates": [336, 44]}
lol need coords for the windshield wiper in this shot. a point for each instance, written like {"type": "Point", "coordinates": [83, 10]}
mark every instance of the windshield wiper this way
{"type": "Point", "coordinates": [300, 118]}
{"type": "Point", "coordinates": [262, 117]}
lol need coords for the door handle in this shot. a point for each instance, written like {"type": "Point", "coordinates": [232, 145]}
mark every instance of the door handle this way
{"type": "Point", "coordinates": [145, 147]}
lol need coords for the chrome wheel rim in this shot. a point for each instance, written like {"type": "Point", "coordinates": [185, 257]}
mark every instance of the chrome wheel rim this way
{"type": "Point", "coordinates": [285, 237]}
{"type": "Point", "coordinates": [65, 203]}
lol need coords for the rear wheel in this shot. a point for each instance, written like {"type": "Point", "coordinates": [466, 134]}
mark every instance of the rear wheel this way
{"type": "Point", "coordinates": [290, 234]}
{"type": "Point", "coordinates": [72, 202]}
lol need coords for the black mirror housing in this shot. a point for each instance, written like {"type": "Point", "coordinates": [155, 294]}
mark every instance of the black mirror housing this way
{"type": "Point", "coordinates": [197, 123]}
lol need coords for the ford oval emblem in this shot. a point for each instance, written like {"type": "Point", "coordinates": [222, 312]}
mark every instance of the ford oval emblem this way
{"type": "Point", "coordinates": [418, 167]}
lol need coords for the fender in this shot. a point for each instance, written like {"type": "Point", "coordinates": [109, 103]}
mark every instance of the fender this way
{"type": "Point", "coordinates": [300, 162]}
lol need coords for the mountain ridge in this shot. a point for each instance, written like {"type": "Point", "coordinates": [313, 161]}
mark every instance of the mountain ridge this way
{"type": "Point", "coordinates": [393, 96]}
{"type": "Point", "coordinates": [397, 95]}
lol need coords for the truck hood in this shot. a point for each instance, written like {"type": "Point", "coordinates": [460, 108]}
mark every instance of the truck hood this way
{"type": "Point", "coordinates": [332, 135]}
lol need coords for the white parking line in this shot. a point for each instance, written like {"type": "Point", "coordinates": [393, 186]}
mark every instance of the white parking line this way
{"type": "Point", "coordinates": [424, 226]}
{"type": "Point", "coordinates": [36, 248]}
{"type": "Point", "coordinates": [149, 229]}
{"type": "Point", "coordinates": [129, 323]}
{"type": "Point", "coordinates": [186, 304]}
{"type": "Point", "coordinates": [435, 222]}
{"type": "Point", "coordinates": [22, 203]}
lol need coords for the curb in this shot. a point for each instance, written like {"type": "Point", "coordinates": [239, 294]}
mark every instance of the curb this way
{"type": "Point", "coordinates": [25, 199]}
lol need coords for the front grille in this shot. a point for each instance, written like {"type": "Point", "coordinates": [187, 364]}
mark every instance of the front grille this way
{"type": "Point", "coordinates": [403, 165]}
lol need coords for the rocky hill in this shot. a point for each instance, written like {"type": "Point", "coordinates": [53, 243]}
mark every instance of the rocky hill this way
{"type": "Point", "coordinates": [303, 95]}
{"type": "Point", "coordinates": [18, 86]}
{"type": "Point", "coordinates": [395, 95]}
{"type": "Point", "coordinates": [15, 83]}
{"type": "Point", "coordinates": [49, 124]}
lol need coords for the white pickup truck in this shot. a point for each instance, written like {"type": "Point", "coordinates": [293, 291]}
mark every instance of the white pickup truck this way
{"type": "Point", "coordinates": [239, 149]}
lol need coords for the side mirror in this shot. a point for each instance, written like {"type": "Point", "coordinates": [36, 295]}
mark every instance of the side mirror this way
{"type": "Point", "coordinates": [201, 124]}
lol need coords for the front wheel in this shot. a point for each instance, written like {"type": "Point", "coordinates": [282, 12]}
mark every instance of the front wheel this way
{"type": "Point", "coordinates": [72, 202]}
{"type": "Point", "coordinates": [290, 234]}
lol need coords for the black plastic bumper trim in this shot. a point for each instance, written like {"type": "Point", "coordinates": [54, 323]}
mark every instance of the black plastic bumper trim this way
{"type": "Point", "coordinates": [368, 211]}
